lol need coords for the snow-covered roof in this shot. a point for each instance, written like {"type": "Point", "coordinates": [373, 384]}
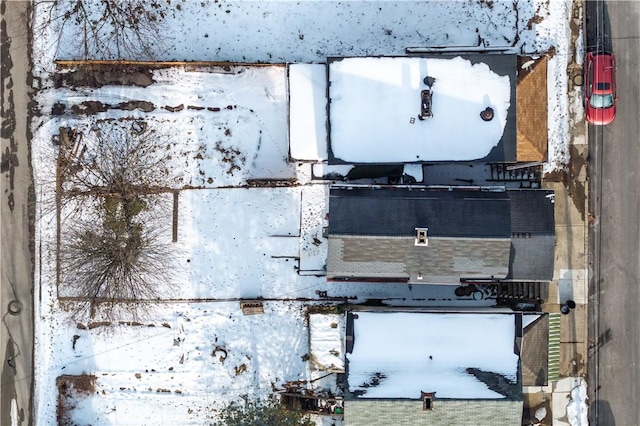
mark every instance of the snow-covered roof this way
{"type": "Point", "coordinates": [326, 342]}
{"type": "Point", "coordinates": [375, 104]}
{"type": "Point", "coordinates": [308, 112]}
{"type": "Point", "coordinates": [400, 354]}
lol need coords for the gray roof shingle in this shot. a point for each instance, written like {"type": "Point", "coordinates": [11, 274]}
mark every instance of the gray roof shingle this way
{"type": "Point", "coordinates": [523, 217]}
{"type": "Point", "coordinates": [398, 211]}
{"type": "Point", "coordinates": [532, 212]}
{"type": "Point", "coordinates": [533, 235]}
{"type": "Point", "coordinates": [532, 258]}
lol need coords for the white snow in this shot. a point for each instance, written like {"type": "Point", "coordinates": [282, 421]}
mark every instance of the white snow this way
{"type": "Point", "coordinates": [540, 413]}
{"type": "Point", "coordinates": [239, 243]}
{"type": "Point", "coordinates": [14, 412]}
{"type": "Point", "coordinates": [248, 242]}
{"type": "Point", "coordinates": [528, 319]}
{"type": "Point", "coordinates": [313, 219]}
{"type": "Point", "coordinates": [559, 35]}
{"type": "Point", "coordinates": [414, 350]}
{"type": "Point", "coordinates": [243, 137]}
{"type": "Point", "coordinates": [375, 103]}
{"type": "Point", "coordinates": [415, 171]}
{"type": "Point", "coordinates": [241, 31]}
{"type": "Point", "coordinates": [308, 111]}
{"type": "Point", "coordinates": [182, 363]}
{"type": "Point", "coordinates": [577, 409]}
{"type": "Point", "coordinates": [326, 336]}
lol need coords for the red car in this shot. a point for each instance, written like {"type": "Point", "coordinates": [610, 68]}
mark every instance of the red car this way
{"type": "Point", "coordinates": [600, 88]}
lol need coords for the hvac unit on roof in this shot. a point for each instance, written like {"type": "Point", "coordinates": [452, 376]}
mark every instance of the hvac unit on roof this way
{"type": "Point", "coordinates": [421, 237]}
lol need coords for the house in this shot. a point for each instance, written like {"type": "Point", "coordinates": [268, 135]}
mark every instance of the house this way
{"type": "Point", "coordinates": [435, 236]}
{"type": "Point", "coordinates": [428, 108]}
{"type": "Point", "coordinates": [414, 366]}
{"type": "Point", "coordinates": [434, 368]}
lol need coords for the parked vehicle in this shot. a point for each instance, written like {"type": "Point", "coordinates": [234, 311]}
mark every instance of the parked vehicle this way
{"type": "Point", "coordinates": [600, 88]}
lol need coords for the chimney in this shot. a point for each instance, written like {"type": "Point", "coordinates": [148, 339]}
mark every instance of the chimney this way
{"type": "Point", "coordinates": [421, 237]}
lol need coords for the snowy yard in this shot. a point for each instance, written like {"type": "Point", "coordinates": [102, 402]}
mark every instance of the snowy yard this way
{"type": "Point", "coordinates": [250, 221]}
{"type": "Point", "coordinates": [180, 365]}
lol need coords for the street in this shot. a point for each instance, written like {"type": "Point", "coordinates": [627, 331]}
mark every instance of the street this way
{"type": "Point", "coordinates": [614, 175]}
{"type": "Point", "coordinates": [17, 267]}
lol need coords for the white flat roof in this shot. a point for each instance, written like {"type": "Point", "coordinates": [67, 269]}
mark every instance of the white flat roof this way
{"type": "Point", "coordinates": [308, 112]}
{"type": "Point", "coordinates": [375, 103]}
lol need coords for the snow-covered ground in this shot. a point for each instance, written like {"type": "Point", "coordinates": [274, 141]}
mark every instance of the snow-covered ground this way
{"type": "Point", "coordinates": [181, 364]}
{"type": "Point", "coordinates": [187, 360]}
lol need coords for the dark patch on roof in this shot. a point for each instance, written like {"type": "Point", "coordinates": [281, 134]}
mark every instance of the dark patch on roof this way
{"type": "Point", "coordinates": [350, 335]}
{"type": "Point", "coordinates": [375, 171]}
{"type": "Point", "coordinates": [496, 382]}
{"type": "Point", "coordinates": [398, 211]}
{"type": "Point", "coordinates": [533, 235]}
{"type": "Point", "coordinates": [374, 380]}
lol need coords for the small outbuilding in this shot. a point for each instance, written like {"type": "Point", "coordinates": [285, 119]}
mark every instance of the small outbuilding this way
{"type": "Point", "coordinates": [326, 342]}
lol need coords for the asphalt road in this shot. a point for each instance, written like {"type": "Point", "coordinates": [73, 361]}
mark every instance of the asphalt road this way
{"type": "Point", "coordinates": [614, 327]}
{"type": "Point", "coordinates": [16, 279]}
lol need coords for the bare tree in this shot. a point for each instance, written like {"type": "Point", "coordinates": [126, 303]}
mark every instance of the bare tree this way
{"type": "Point", "coordinates": [114, 250]}
{"type": "Point", "coordinates": [118, 260]}
{"type": "Point", "coordinates": [104, 29]}
{"type": "Point", "coordinates": [117, 158]}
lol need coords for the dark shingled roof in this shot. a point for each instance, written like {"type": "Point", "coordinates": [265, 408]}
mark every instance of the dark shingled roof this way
{"type": "Point", "coordinates": [533, 232]}
{"type": "Point", "coordinates": [525, 217]}
{"type": "Point", "coordinates": [398, 211]}
{"type": "Point", "coordinates": [532, 212]}
{"type": "Point", "coordinates": [535, 352]}
{"type": "Point", "coordinates": [532, 258]}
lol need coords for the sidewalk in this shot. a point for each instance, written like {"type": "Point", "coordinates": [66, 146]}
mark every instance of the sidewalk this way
{"type": "Point", "coordinates": [570, 283]}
